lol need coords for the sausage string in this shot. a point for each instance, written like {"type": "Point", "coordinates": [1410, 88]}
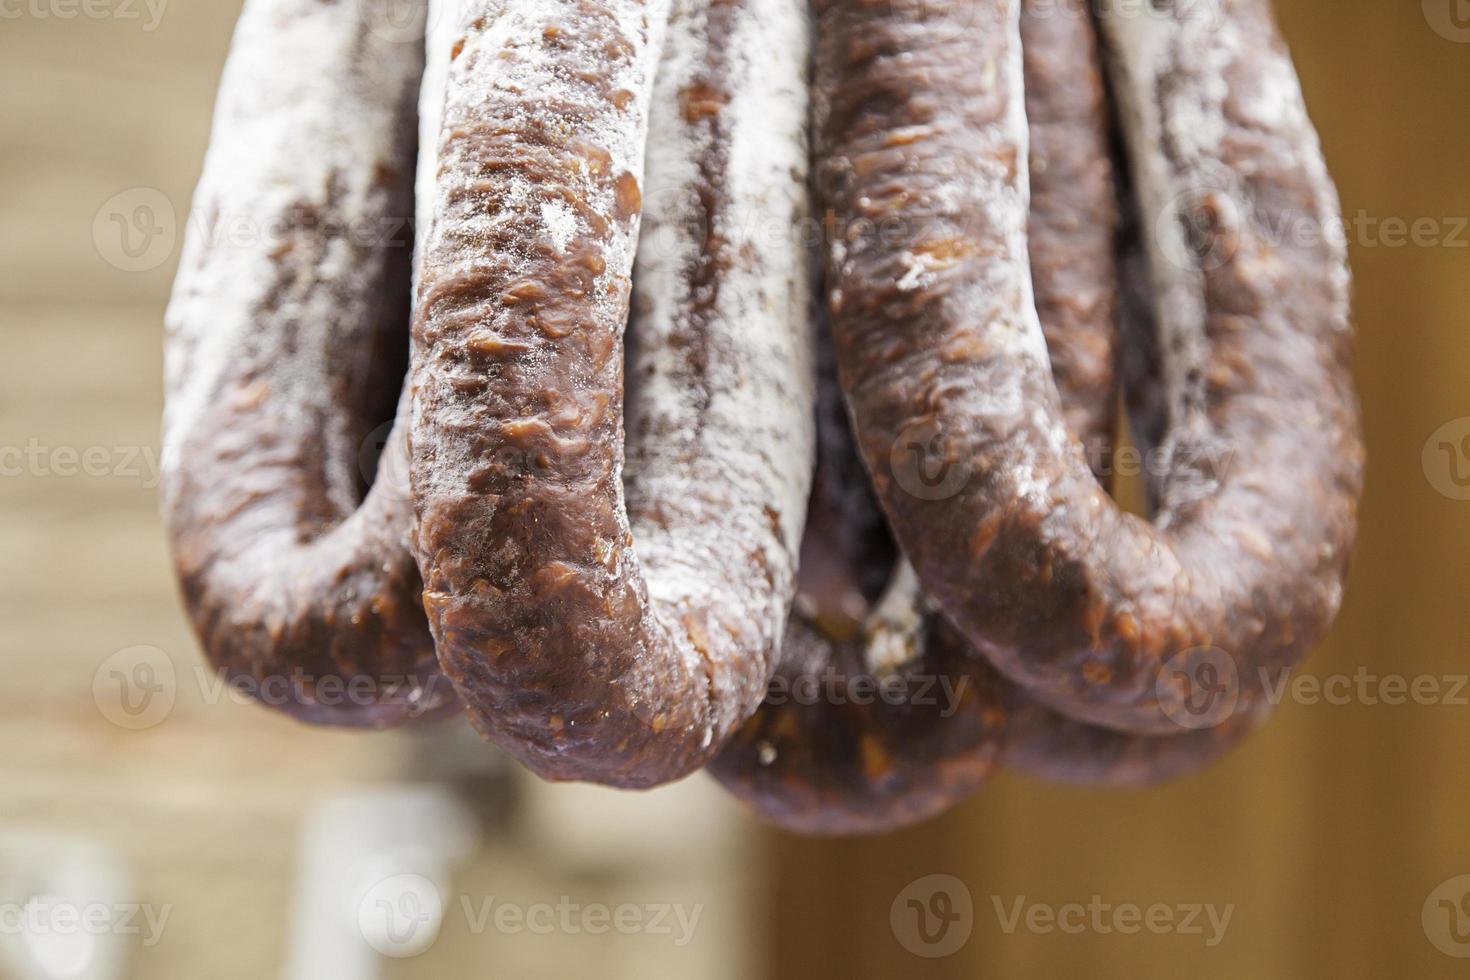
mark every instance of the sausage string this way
{"type": "Point", "coordinates": [591, 370]}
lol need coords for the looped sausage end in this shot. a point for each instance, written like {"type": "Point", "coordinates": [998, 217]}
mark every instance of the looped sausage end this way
{"type": "Point", "coordinates": [597, 634]}
{"type": "Point", "coordinates": [1086, 607]}
{"type": "Point", "coordinates": [286, 347]}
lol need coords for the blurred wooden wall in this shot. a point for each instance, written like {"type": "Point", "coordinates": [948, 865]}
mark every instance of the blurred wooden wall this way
{"type": "Point", "coordinates": [1328, 830]}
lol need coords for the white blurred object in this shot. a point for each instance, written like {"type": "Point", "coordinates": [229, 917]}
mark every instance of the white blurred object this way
{"type": "Point", "coordinates": [376, 871]}
{"type": "Point", "coordinates": [595, 827]}
{"type": "Point", "coordinates": [65, 909]}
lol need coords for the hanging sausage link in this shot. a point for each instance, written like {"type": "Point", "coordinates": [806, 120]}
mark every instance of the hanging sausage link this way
{"type": "Point", "coordinates": [1093, 611]}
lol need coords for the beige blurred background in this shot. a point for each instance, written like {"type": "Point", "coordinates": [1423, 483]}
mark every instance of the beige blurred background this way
{"type": "Point", "coordinates": [1330, 840]}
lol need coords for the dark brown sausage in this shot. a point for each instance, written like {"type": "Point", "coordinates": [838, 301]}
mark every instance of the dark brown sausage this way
{"type": "Point", "coordinates": [286, 347]}
{"type": "Point", "coordinates": [875, 720]}
{"type": "Point", "coordinates": [881, 714]}
{"type": "Point", "coordinates": [597, 636]}
{"type": "Point", "coordinates": [1074, 216]}
{"type": "Point", "coordinates": [1090, 609]}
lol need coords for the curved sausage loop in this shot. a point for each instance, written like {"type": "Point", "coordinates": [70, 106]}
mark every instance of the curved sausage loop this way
{"type": "Point", "coordinates": [877, 717]}
{"type": "Point", "coordinates": [1109, 618]}
{"type": "Point", "coordinates": [286, 342]}
{"type": "Point", "coordinates": [881, 714]}
{"type": "Point", "coordinates": [1046, 744]}
{"type": "Point", "coordinates": [584, 656]}
{"type": "Point", "coordinates": [1074, 216]}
